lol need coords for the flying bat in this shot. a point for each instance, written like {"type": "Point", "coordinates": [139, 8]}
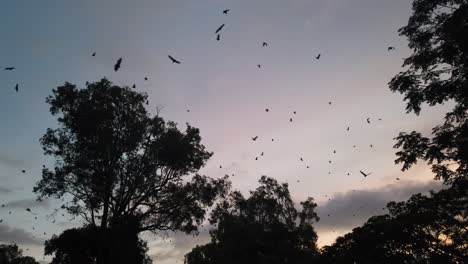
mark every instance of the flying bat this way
{"type": "Point", "coordinates": [117, 64]}
{"type": "Point", "coordinates": [219, 29]}
{"type": "Point", "coordinates": [364, 174]}
{"type": "Point", "coordinates": [173, 60]}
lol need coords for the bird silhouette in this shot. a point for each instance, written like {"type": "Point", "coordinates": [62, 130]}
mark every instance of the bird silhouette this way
{"type": "Point", "coordinates": [294, 112]}
{"type": "Point", "coordinates": [219, 29]}
{"type": "Point", "coordinates": [134, 86]}
{"type": "Point", "coordinates": [173, 60]}
{"type": "Point", "coordinates": [27, 209]}
{"type": "Point", "coordinates": [290, 120]}
{"type": "Point", "coordinates": [23, 171]}
{"type": "Point", "coordinates": [117, 64]}
{"type": "Point", "coordinates": [302, 159]}
{"type": "Point", "coordinates": [397, 179]}
{"type": "Point", "coordinates": [364, 174]}
{"type": "Point", "coordinates": [347, 129]}
{"type": "Point", "coordinates": [225, 11]}
{"type": "Point", "coordinates": [16, 87]}
{"type": "Point", "coordinates": [368, 120]}
{"type": "Point", "coordinates": [318, 56]}
{"type": "Point", "coordinates": [9, 68]}
{"type": "Point", "coordinates": [146, 78]}
{"type": "Point", "coordinates": [259, 66]}
{"type": "Point", "coordinates": [329, 103]}
{"type": "Point", "coordinates": [94, 54]}
{"type": "Point", "coordinates": [256, 158]}
{"type": "Point", "coordinates": [261, 154]}
{"type": "Point", "coordinates": [265, 44]}
{"type": "Point", "coordinates": [218, 37]}
{"type": "Point", "coordinates": [390, 48]}
{"type": "Point", "coordinates": [267, 110]}
{"type": "Point", "coordinates": [188, 110]}
{"type": "Point", "coordinates": [255, 138]}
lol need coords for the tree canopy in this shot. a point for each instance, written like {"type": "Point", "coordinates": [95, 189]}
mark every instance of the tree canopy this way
{"type": "Point", "coordinates": [264, 228]}
{"type": "Point", "coordinates": [437, 73]}
{"type": "Point", "coordinates": [424, 229]}
{"type": "Point", "coordinates": [12, 254]}
{"type": "Point", "coordinates": [81, 246]}
{"type": "Point", "coordinates": [118, 163]}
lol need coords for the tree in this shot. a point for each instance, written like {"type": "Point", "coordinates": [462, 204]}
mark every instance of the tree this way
{"type": "Point", "coordinates": [437, 72]}
{"type": "Point", "coordinates": [264, 228]}
{"type": "Point", "coordinates": [12, 254]}
{"type": "Point", "coordinates": [81, 246]}
{"type": "Point", "coordinates": [424, 229]}
{"type": "Point", "coordinates": [116, 162]}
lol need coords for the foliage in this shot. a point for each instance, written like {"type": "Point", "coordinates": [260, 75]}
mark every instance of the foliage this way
{"type": "Point", "coordinates": [12, 254]}
{"type": "Point", "coordinates": [116, 161]}
{"type": "Point", "coordinates": [437, 73]}
{"type": "Point", "coordinates": [119, 164]}
{"type": "Point", "coordinates": [424, 229]}
{"type": "Point", "coordinates": [81, 246]}
{"type": "Point", "coordinates": [264, 228]}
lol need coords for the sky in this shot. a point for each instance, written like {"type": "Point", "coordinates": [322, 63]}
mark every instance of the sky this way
{"type": "Point", "coordinates": [51, 42]}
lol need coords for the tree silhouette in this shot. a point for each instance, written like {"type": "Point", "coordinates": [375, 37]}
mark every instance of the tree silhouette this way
{"type": "Point", "coordinates": [12, 254]}
{"type": "Point", "coordinates": [118, 163]}
{"type": "Point", "coordinates": [81, 246]}
{"type": "Point", "coordinates": [424, 229]}
{"type": "Point", "coordinates": [437, 72]}
{"type": "Point", "coordinates": [264, 228]}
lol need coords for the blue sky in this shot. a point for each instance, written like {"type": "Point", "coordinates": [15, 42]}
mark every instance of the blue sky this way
{"type": "Point", "coordinates": [50, 42]}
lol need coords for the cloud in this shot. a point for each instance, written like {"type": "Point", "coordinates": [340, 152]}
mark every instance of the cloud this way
{"type": "Point", "coordinates": [353, 208]}
{"type": "Point", "coordinates": [20, 236]}
{"type": "Point", "coordinates": [5, 190]}
{"type": "Point", "coordinates": [28, 203]}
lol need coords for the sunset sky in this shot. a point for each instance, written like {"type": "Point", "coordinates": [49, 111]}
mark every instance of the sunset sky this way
{"type": "Point", "coordinates": [51, 42]}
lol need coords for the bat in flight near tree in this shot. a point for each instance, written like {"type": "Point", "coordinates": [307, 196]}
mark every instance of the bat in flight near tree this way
{"type": "Point", "coordinates": [173, 60]}
{"type": "Point", "coordinates": [225, 11]}
{"type": "Point", "coordinates": [117, 64]}
{"type": "Point", "coordinates": [318, 56]}
{"type": "Point", "coordinates": [9, 68]}
{"type": "Point", "coordinates": [255, 138]}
